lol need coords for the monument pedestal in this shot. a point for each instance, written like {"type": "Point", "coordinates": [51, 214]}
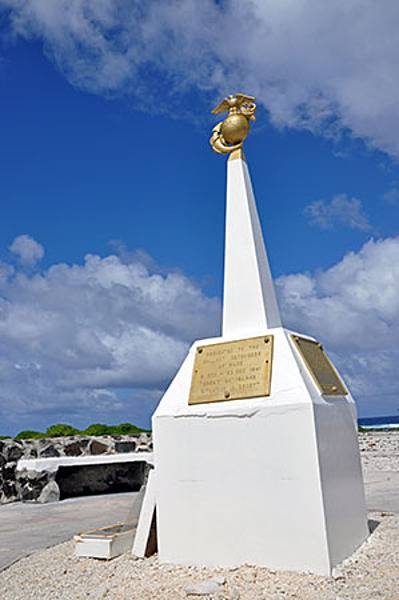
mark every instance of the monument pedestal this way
{"type": "Point", "coordinates": [273, 479]}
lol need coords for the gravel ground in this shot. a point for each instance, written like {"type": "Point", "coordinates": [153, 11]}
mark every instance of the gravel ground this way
{"type": "Point", "coordinates": [379, 451]}
{"type": "Point", "coordinates": [372, 573]}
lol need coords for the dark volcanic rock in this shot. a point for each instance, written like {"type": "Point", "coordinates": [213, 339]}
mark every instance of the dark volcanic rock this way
{"type": "Point", "coordinates": [73, 449]}
{"type": "Point", "coordinates": [14, 452]}
{"type": "Point", "coordinates": [10, 490]}
{"type": "Point", "coordinates": [9, 471]}
{"type": "Point", "coordinates": [31, 484]}
{"type": "Point", "coordinates": [49, 451]}
{"type": "Point", "coordinates": [98, 447]}
{"type": "Point", "coordinates": [125, 446]}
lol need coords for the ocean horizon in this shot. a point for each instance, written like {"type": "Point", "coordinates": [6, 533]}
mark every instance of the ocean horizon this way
{"type": "Point", "coordinates": [383, 422]}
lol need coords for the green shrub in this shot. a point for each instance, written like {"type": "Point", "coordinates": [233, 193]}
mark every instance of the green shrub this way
{"type": "Point", "coordinates": [125, 429]}
{"type": "Point", "coordinates": [122, 429]}
{"type": "Point", "coordinates": [29, 434]}
{"type": "Point", "coordinates": [97, 429]}
{"type": "Point", "coordinates": [61, 430]}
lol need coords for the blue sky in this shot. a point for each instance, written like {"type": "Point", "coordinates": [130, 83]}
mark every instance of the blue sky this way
{"type": "Point", "coordinates": [105, 153]}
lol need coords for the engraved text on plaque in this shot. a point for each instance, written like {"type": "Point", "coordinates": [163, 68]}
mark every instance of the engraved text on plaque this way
{"type": "Point", "coordinates": [321, 368]}
{"type": "Point", "coordinates": [232, 370]}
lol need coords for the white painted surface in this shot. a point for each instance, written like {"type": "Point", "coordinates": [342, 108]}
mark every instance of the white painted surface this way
{"type": "Point", "coordinates": [341, 477]}
{"type": "Point", "coordinates": [52, 464]}
{"type": "Point", "coordinates": [273, 481]}
{"type": "Point", "coordinates": [145, 519]}
{"type": "Point", "coordinates": [253, 481]}
{"type": "Point", "coordinates": [249, 299]}
{"type": "Point", "coordinates": [93, 548]}
{"type": "Point", "coordinates": [100, 544]}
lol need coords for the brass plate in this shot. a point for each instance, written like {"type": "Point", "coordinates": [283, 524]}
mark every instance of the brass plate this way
{"type": "Point", "coordinates": [232, 370]}
{"type": "Point", "coordinates": [321, 368]}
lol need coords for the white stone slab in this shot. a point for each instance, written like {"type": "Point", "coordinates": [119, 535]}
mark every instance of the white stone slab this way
{"type": "Point", "coordinates": [52, 464]}
{"type": "Point", "coordinates": [148, 507]}
{"type": "Point", "coordinates": [105, 542]}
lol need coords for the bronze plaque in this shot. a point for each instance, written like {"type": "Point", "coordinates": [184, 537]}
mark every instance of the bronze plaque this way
{"type": "Point", "coordinates": [232, 370]}
{"type": "Point", "coordinates": [321, 368]}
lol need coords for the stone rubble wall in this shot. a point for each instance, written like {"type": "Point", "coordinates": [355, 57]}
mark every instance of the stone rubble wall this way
{"type": "Point", "coordinates": [379, 450]}
{"type": "Point", "coordinates": [31, 485]}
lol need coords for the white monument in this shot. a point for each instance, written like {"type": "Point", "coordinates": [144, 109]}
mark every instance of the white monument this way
{"type": "Point", "coordinates": [255, 442]}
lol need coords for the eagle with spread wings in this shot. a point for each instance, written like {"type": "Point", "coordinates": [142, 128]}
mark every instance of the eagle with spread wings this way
{"type": "Point", "coordinates": [234, 103]}
{"type": "Point", "coordinates": [229, 135]}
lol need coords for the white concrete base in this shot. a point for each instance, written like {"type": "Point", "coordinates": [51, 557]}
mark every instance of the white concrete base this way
{"type": "Point", "coordinates": [273, 481]}
{"type": "Point", "coordinates": [106, 542]}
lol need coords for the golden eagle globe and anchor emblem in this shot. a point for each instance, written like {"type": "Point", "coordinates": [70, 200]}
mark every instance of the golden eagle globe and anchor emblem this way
{"type": "Point", "coordinates": [229, 135]}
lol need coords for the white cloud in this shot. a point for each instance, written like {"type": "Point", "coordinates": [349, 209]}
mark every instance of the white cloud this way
{"type": "Point", "coordinates": [340, 211]}
{"type": "Point", "coordinates": [28, 250]}
{"type": "Point", "coordinates": [353, 308]}
{"type": "Point", "coordinates": [324, 66]}
{"type": "Point", "coordinates": [78, 339]}
{"type": "Point", "coordinates": [391, 196]}
{"type": "Point", "coordinates": [99, 341]}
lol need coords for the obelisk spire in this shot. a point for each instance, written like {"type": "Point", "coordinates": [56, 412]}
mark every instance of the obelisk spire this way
{"type": "Point", "coordinates": [249, 298]}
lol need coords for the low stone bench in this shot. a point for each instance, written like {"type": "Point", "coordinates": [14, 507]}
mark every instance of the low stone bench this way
{"type": "Point", "coordinates": [54, 478]}
{"type": "Point", "coordinates": [13, 489]}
